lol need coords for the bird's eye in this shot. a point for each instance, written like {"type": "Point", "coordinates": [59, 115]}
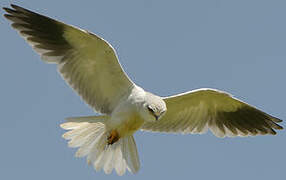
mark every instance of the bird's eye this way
{"type": "Point", "coordinates": [150, 109]}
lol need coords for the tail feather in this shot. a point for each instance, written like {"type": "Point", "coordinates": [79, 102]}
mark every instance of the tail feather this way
{"type": "Point", "coordinates": [91, 138]}
{"type": "Point", "coordinates": [109, 164]}
{"type": "Point", "coordinates": [131, 154]}
{"type": "Point", "coordinates": [74, 132]}
{"type": "Point", "coordinates": [90, 143]}
{"type": "Point", "coordinates": [90, 119]}
{"type": "Point", "coordinates": [98, 154]}
{"type": "Point", "coordinates": [80, 139]}
{"type": "Point", "coordinates": [120, 165]}
{"type": "Point", "coordinates": [87, 146]}
{"type": "Point", "coordinates": [97, 149]}
{"type": "Point", "coordinates": [72, 125]}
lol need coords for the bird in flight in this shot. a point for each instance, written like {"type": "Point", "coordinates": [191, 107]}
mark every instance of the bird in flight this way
{"type": "Point", "coordinates": [89, 64]}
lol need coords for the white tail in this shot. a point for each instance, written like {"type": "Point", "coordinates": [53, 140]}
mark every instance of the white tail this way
{"type": "Point", "coordinates": [90, 135]}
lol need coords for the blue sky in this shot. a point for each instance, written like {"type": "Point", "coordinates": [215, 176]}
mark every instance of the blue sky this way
{"type": "Point", "coordinates": [235, 46]}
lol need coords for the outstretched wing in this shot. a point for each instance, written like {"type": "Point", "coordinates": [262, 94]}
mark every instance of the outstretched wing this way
{"type": "Point", "coordinates": [87, 62]}
{"type": "Point", "coordinates": [203, 109]}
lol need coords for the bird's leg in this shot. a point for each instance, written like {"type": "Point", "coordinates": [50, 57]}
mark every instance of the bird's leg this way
{"type": "Point", "coordinates": [113, 137]}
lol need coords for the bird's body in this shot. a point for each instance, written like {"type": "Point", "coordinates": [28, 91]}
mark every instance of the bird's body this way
{"type": "Point", "coordinates": [90, 66]}
{"type": "Point", "coordinates": [126, 117]}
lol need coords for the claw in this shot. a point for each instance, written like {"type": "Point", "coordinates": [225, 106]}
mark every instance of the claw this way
{"type": "Point", "coordinates": [113, 137]}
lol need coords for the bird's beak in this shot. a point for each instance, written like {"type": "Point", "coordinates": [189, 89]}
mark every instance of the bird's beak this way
{"type": "Point", "coordinates": [157, 117]}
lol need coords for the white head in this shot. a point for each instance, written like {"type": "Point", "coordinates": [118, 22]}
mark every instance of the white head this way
{"type": "Point", "coordinates": [154, 107]}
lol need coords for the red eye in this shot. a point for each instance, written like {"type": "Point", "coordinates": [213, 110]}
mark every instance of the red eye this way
{"type": "Point", "coordinates": [150, 110]}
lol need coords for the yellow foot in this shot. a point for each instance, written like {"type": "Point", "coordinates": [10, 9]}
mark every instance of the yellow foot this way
{"type": "Point", "coordinates": [113, 137]}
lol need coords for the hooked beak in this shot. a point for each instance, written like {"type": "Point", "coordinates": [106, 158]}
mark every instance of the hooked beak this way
{"type": "Point", "coordinates": [157, 117]}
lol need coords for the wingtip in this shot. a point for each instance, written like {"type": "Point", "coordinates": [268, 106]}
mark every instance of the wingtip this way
{"type": "Point", "coordinates": [5, 8]}
{"type": "Point", "coordinates": [19, 8]}
{"type": "Point", "coordinates": [9, 10]}
{"type": "Point", "coordinates": [14, 6]}
{"type": "Point", "coordinates": [275, 119]}
{"type": "Point", "coordinates": [278, 120]}
{"type": "Point", "coordinates": [272, 132]}
{"type": "Point", "coordinates": [6, 11]}
{"type": "Point", "coordinates": [6, 16]}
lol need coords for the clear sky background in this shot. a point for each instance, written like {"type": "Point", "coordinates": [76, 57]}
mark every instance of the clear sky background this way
{"type": "Point", "coordinates": [167, 47]}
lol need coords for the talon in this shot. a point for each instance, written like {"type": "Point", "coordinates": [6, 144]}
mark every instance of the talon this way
{"type": "Point", "coordinates": [113, 137]}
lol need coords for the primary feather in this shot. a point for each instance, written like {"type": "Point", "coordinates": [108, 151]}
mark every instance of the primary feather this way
{"type": "Point", "coordinates": [199, 110]}
{"type": "Point", "coordinates": [87, 62]}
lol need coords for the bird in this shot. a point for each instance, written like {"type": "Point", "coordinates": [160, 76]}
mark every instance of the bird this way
{"type": "Point", "coordinates": [90, 65]}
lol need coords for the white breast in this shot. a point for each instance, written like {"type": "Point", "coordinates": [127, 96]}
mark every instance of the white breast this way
{"type": "Point", "coordinates": [127, 116]}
